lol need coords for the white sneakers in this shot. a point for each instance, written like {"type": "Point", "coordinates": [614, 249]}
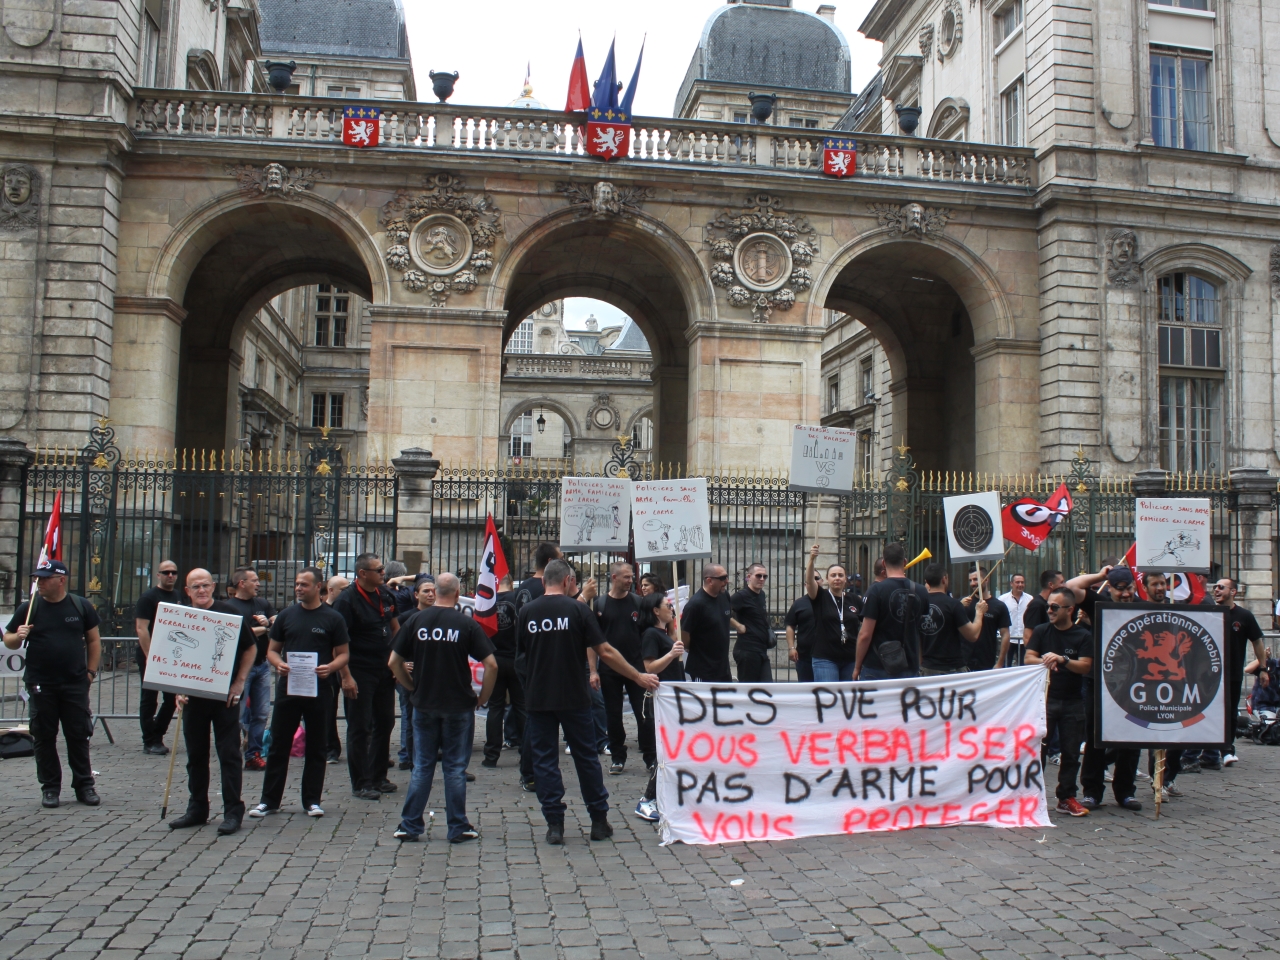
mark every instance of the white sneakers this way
{"type": "Point", "coordinates": [315, 811]}
{"type": "Point", "coordinates": [1229, 759]}
{"type": "Point", "coordinates": [262, 810]}
{"type": "Point", "coordinates": [647, 810]}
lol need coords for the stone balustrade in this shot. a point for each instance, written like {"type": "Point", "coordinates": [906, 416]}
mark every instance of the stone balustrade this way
{"type": "Point", "coordinates": [542, 365]}
{"type": "Point", "coordinates": [445, 127]}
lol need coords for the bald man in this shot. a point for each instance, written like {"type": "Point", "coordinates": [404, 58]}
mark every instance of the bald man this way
{"type": "Point", "coordinates": [334, 587]}
{"type": "Point", "coordinates": [200, 715]}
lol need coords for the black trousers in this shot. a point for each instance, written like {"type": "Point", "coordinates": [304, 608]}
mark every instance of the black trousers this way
{"type": "Point", "coordinates": [804, 668]}
{"type": "Point", "coordinates": [753, 666]}
{"type": "Point", "coordinates": [200, 717]}
{"type": "Point", "coordinates": [1235, 683]}
{"type": "Point", "coordinates": [1094, 766]}
{"type": "Point", "coordinates": [507, 688]}
{"type": "Point", "coordinates": [544, 744]}
{"type": "Point", "coordinates": [155, 711]}
{"type": "Point", "coordinates": [315, 712]}
{"type": "Point", "coordinates": [613, 687]}
{"type": "Point", "coordinates": [1068, 717]}
{"type": "Point", "coordinates": [370, 720]}
{"type": "Point", "coordinates": [67, 705]}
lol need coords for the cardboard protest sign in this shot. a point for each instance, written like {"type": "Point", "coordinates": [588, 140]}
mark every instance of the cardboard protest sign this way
{"type": "Point", "coordinates": [13, 663]}
{"type": "Point", "coordinates": [1161, 672]}
{"type": "Point", "coordinates": [974, 527]}
{"type": "Point", "coordinates": [783, 760]}
{"type": "Point", "coordinates": [822, 459]}
{"type": "Point", "coordinates": [1173, 534]}
{"type": "Point", "coordinates": [595, 513]}
{"type": "Point", "coordinates": [671, 519]}
{"type": "Point", "coordinates": [193, 651]}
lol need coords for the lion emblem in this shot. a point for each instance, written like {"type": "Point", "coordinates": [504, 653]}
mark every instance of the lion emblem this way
{"type": "Point", "coordinates": [1163, 654]}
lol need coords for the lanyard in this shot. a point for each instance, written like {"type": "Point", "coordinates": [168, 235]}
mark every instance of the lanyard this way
{"type": "Point", "coordinates": [381, 612]}
{"type": "Point", "coordinates": [840, 611]}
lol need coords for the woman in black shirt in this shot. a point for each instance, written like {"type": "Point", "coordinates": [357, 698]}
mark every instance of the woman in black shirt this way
{"type": "Point", "coordinates": [663, 657]}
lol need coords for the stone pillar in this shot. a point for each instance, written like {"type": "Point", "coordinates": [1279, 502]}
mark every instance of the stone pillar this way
{"type": "Point", "coordinates": [1006, 397]}
{"type": "Point", "coordinates": [1254, 489]}
{"type": "Point", "coordinates": [144, 375]}
{"type": "Point", "coordinates": [435, 381]}
{"type": "Point", "coordinates": [15, 458]}
{"type": "Point", "coordinates": [416, 471]}
{"type": "Point", "coordinates": [670, 414]}
{"type": "Point", "coordinates": [1150, 483]}
{"type": "Point", "coordinates": [749, 384]}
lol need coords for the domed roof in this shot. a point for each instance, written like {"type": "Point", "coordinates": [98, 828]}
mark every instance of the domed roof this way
{"type": "Point", "coordinates": [340, 28]}
{"type": "Point", "coordinates": [527, 100]}
{"type": "Point", "coordinates": [770, 45]}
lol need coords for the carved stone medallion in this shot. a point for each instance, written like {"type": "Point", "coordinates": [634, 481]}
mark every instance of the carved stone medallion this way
{"type": "Point", "coordinates": [762, 262]}
{"type": "Point", "coordinates": [20, 199]}
{"type": "Point", "coordinates": [440, 244]}
{"type": "Point", "coordinates": [603, 415]}
{"type": "Point", "coordinates": [761, 256]}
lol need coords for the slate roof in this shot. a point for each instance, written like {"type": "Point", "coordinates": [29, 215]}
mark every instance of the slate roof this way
{"type": "Point", "coordinates": [336, 28]}
{"type": "Point", "coordinates": [772, 46]}
{"type": "Point", "coordinates": [631, 338]}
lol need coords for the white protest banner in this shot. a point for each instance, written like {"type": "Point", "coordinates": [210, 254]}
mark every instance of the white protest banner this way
{"type": "Point", "coordinates": [595, 513]}
{"type": "Point", "coordinates": [974, 527]}
{"type": "Point", "coordinates": [1162, 668]}
{"type": "Point", "coordinates": [782, 760]}
{"type": "Point", "coordinates": [1172, 534]}
{"type": "Point", "coordinates": [193, 651]}
{"type": "Point", "coordinates": [671, 519]}
{"type": "Point", "coordinates": [822, 459]}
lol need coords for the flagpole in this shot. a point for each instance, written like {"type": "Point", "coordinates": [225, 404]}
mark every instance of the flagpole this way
{"type": "Point", "coordinates": [31, 603]}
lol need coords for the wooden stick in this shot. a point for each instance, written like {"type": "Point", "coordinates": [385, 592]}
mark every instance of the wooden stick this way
{"type": "Point", "coordinates": [173, 755]}
{"type": "Point", "coordinates": [1159, 780]}
{"type": "Point", "coordinates": [31, 604]}
{"type": "Point", "coordinates": [675, 576]}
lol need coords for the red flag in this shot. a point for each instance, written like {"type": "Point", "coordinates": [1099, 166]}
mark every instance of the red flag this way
{"type": "Point", "coordinates": [493, 567]}
{"type": "Point", "coordinates": [52, 548]}
{"type": "Point", "coordinates": [1029, 522]}
{"type": "Point", "coordinates": [579, 98]}
{"type": "Point", "coordinates": [1183, 587]}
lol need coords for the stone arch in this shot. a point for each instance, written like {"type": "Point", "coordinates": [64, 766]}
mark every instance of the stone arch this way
{"type": "Point", "coordinates": [524, 404]}
{"type": "Point", "coordinates": [950, 118]}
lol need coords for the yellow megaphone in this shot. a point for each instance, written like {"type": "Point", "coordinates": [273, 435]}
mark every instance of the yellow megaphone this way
{"type": "Point", "coordinates": [924, 555]}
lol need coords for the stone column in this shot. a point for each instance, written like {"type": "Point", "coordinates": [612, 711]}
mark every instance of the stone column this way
{"type": "Point", "coordinates": [1254, 489]}
{"type": "Point", "coordinates": [749, 384]}
{"type": "Point", "coordinates": [15, 458]}
{"type": "Point", "coordinates": [144, 371]}
{"type": "Point", "coordinates": [416, 471]}
{"type": "Point", "coordinates": [1006, 395]}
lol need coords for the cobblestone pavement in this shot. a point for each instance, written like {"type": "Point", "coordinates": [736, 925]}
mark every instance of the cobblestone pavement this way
{"type": "Point", "coordinates": [115, 882]}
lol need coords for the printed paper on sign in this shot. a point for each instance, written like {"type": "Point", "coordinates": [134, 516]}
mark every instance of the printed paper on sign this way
{"type": "Point", "coordinates": [671, 519]}
{"type": "Point", "coordinates": [595, 513]}
{"type": "Point", "coordinates": [974, 527]}
{"type": "Point", "coordinates": [784, 760]}
{"type": "Point", "coordinates": [1173, 533]}
{"type": "Point", "coordinates": [822, 459]}
{"type": "Point", "coordinates": [193, 651]}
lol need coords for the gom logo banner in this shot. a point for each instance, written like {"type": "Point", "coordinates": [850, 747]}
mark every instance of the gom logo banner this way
{"type": "Point", "coordinates": [193, 651]}
{"type": "Point", "coordinates": [1161, 669]}
{"type": "Point", "coordinates": [780, 761]}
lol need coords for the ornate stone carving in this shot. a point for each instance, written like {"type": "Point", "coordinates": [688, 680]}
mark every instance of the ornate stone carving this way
{"type": "Point", "coordinates": [926, 40]}
{"type": "Point", "coordinates": [911, 219]}
{"type": "Point", "coordinates": [275, 179]}
{"type": "Point", "coordinates": [441, 240]}
{"type": "Point", "coordinates": [951, 29]}
{"type": "Point", "coordinates": [603, 415]}
{"type": "Point", "coordinates": [759, 256]}
{"type": "Point", "coordinates": [605, 199]}
{"type": "Point", "coordinates": [1122, 256]}
{"type": "Point", "coordinates": [20, 199]}
{"type": "Point", "coordinates": [1275, 270]}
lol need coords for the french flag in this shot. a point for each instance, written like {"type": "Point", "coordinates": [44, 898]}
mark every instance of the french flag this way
{"type": "Point", "coordinates": [579, 89]}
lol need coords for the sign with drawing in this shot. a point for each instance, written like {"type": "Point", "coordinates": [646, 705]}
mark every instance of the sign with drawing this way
{"type": "Point", "coordinates": [822, 459]}
{"type": "Point", "coordinates": [1172, 534]}
{"type": "Point", "coordinates": [595, 513]}
{"type": "Point", "coordinates": [671, 519]}
{"type": "Point", "coordinates": [193, 651]}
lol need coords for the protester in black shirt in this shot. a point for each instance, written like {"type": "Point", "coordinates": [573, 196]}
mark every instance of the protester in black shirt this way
{"type": "Point", "coordinates": [154, 712]}
{"type": "Point", "coordinates": [1067, 650]}
{"type": "Point", "coordinates": [946, 633]}
{"type": "Point", "coordinates": [992, 645]}
{"type": "Point", "coordinates": [553, 634]}
{"type": "Point", "coordinates": [439, 642]}
{"type": "Point", "coordinates": [531, 587]}
{"type": "Point", "coordinates": [400, 584]}
{"type": "Point", "coordinates": [1242, 630]}
{"type": "Point", "coordinates": [203, 715]}
{"type": "Point", "coordinates": [63, 650]}
{"type": "Point", "coordinates": [424, 595]}
{"type": "Point", "coordinates": [255, 705]}
{"type": "Point", "coordinates": [889, 641]}
{"type": "Point", "coordinates": [799, 624]}
{"type": "Point", "coordinates": [662, 657]}
{"type": "Point", "coordinates": [705, 623]}
{"type": "Point", "coordinates": [619, 615]}
{"type": "Point", "coordinates": [750, 607]}
{"type": "Point", "coordinates": [370, 614]}
{"type": "Point", "coordinates": [508, 689]}
{"type": "Point", "coordinates": [1037, 611]}
{"type": "Point", "coordinates": [307, 626]}
{"type": "Point", "coordinates": [836, 622]}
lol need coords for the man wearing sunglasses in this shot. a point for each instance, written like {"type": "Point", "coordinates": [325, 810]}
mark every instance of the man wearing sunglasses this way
{"type": "Point", "coordinates": [705, 623]}
{"type": "Point", "coordinates": [1067, 650]}
{"type": "Point", "coordinates": [155, 709]}
{"type": "Point", "coordinates": [750, 607]}
{"type": "Point", "coordinates": [1242, 629]}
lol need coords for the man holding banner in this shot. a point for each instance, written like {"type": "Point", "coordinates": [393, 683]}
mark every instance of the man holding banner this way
{"type": "Point", "coordinates": [889, 640]}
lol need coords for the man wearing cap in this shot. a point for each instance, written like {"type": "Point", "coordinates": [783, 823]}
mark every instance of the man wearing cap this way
{"type": "Point", "coordinates": [63, 651]}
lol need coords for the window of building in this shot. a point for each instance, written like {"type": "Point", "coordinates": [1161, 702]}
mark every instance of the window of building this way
{"type": "Point", "coordinates": [833, 394]}
{"type": "Point", "coordinates": [522, 435]}
{"type": "Point", "coordinates": [868, 388]}
{"type": "Point", "coordinates": [1011, 114]}
{"type": "Point", "coordinates": [1007, 20]}
{"type": "Point", "coordinates": [1184, 4]}
{"type": "Point", "coordinates": [335, 409]}
{"type": "Point", "coordinates": [739, 118]}
{"type": "Point", "coordinates": [1180, 105]}
{"type": "Point", "coordinates": [1190, 423]}
{"type": "Point", "coordinates": [866, 451]}
{"type": "Point", "coordinates": [338, 90]}
{"type": "Point", "coordinates": [642, 435]}
{"type": "Point", "coordinates": [522, 338]}
{"type": "Point", "coordinates": [333, 305]}
{"type": "Point", "coordinates": [1190, 336]}
{"type": "Point", "coordinates": [150, 49]}
{"type": "Point", "coordinates": [327, 410]}
{"type": "Point", "coordinates": [806, 122]}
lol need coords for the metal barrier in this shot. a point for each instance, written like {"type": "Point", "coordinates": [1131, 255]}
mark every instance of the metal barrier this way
{"type": "Point", "coordinates": [114, 695]}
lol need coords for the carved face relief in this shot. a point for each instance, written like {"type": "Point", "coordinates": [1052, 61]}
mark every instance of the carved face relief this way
{"type": "Point", "coordinates": [20, 198]}
{"type": "Point", "coordinates": [273, 177]}
{"type": "Point", "coordinates": [915, 218]}
{"type": "Point", "coordinates": [1122, 257]}
{"type": "Point", "coordinates": [17, 186]}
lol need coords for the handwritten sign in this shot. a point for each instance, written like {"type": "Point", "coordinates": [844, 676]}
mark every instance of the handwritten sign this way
{"type": "Point", "coordinates": [785, 760]}
{"type": "Point", "coordinates": [1173, 534]}
{"type": "Point", "coordinates": [13, 663]}
{"type": "Point", "coordinates": [974, 527]}
{"type": "Point", "coordinates": [671, 519]}
{"type": "Point", "coordinates": [595, 513]}
{"type": "Point", "coordinates": [193, 651]}
{"type": "Point", "coordinates": [822, 459]}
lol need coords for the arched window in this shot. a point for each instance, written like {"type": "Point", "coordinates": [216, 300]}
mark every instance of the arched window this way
{"type": "Point", "coordinates": [642, 436]}
{"type": "Point", "coordinates": [1191, 373]}
{"type": "Point", "coordinates": [522, 435]}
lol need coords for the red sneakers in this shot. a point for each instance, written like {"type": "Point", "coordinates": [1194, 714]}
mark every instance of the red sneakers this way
{"type": "Point", "coordinates": [1071, 806]}
{"type": "Point", "coordinates": [255, 762]}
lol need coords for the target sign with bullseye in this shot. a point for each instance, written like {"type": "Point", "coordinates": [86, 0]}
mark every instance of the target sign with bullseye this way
{"type": "Point", "coordinates": [973, 527]}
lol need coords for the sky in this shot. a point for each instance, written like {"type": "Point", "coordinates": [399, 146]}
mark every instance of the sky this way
{"type": "Point", "coordinates": [489, 43]}
{"type": "Point", "coordinates": [577, 309]}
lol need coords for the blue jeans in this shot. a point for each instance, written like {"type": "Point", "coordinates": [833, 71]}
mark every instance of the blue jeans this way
{"type": "Point", "coordinates": [255, 707]}
{"type": "Point", "coordinates": [406, 724]}
{"type": "Point", "coordinates": [449, 734]}
{"type": "Point", "coordinates": [828, 671]}
{"type": "Point", "coordinates": [601, 718]}
{"type": "Point", "coordinates": [542, 735]}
